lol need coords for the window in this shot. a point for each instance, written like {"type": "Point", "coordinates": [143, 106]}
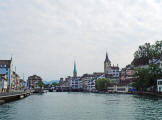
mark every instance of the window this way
{"type": "Point", "coordinates": [159, 82]}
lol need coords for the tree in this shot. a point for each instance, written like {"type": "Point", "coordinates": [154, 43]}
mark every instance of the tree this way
{"type": "Point", "coordinates": [54, 83]}
{"type": "Point", "coordinates": [147, 77]}
{"type": "Point", "coordinates": [102, 84]}
{"type": "Point", "coordinates": [147, 52]}
{"type": "Point", "coordinates": [141, 75]}
{"type": "Point", "coordinates": [154, 73]}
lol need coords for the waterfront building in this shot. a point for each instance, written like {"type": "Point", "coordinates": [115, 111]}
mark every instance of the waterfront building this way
{"type": "Point", "coordinates": [34, 81]}
{"type": "Point", "coordinates": [127, 75]}
{"type": "Point", "coordinates": [92, 81]}
{"type": "Point", "coordinates": [3, 83]}
{"type": "Point", "coordinates": [88, 80]}
{"type": "Point", "coordinates": [64, 83]}
{"type": "Point", "coordinates": [6, 69]}
{"type": "Point", "coordinates": [22, 84]}
{"type": "Point", "coordinates": [111, 72]}
{"type": "Point", "coordinates": [75, 81]}
{"type": "Point", "coordinates": [61, 81]}
{"type": "Point", "coordinates": [15, 80]}
{"type": "Point", "coordinates": [119, 88]}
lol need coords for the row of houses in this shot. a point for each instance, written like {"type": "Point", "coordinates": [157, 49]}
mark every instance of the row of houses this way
{"type": "Point", "coordinates": [9, 79]}
{"type": "Point", "coordinates": [120, 80]}
{"type": "Point", "coordinates": [127, 73]}
{"type": "Point", "coordinates": [86, 82]}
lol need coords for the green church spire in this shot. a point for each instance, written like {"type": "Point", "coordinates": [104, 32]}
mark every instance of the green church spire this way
{"type": "Point", "coordinates": [75, 70]}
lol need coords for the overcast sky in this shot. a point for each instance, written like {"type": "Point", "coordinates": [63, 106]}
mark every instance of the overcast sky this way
{"type": "Point", "coordinates": [46, 36]}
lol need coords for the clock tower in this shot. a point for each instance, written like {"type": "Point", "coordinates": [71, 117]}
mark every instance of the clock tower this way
{"type": "Point", "coordinates": [107, 65]}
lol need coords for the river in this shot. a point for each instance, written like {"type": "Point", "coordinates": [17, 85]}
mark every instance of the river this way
{"type": "Point", "coordinates": [82, 106]}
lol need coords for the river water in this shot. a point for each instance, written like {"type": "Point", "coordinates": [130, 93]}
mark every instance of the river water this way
{"type": "Point", "coordinates": [82, 106]}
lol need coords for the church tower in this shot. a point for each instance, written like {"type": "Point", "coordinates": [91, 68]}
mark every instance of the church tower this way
{"type": "Point", "coordinates": [75, 70]}
{"type": "Point", "coordinates": [107, 65]}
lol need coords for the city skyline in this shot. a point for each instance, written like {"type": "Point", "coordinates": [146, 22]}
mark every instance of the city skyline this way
{"type": "Point", "coordinates": [45, 37]}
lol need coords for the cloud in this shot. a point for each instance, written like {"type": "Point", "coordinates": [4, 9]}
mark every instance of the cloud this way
{"type": "Point", "coordinates": [45, 37]}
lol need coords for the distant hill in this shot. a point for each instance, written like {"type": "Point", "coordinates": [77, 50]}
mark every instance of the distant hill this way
{"type": "Point", "coordinates": [50, 82]}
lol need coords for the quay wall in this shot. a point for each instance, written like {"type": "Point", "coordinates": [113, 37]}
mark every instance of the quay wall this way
{"type": "Point", "coordinates": [8, 97]}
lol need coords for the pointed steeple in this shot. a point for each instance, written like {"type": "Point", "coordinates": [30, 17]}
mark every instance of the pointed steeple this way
{"type": "Point", "coordinates": [75, 70]}
{"type": "Point", "coordinates": [107, 59]}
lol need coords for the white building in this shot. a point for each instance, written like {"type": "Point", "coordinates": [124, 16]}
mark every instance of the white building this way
{"type": "Point", "coordinates": [92, 81]}
{"type": "Point", "coordinates": [75, 83]}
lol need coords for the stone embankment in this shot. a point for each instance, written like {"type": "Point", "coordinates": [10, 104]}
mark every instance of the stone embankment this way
{"type": "Point", "coordinates": [151, 94]}
{"type": "Point", "coordinates": [11, 96]}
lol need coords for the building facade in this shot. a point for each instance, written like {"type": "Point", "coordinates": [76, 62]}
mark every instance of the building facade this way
{"type": "Point", "coordinates": [111, 72]}
{"type": "Point", "coordinates": [3, 83]}
{"type": "Point", "coordinates": [127, 75]}
{"type": "Point", "coordinates": [34, 82]}
{"type": "Point", "coordinates": [22, 84]}
{"type": "Point", "coordinates": [75, 81]}
{"type": "Point", "coordinates": [15, 81]}
{"type": "Point", "coordinates": [6, 69]}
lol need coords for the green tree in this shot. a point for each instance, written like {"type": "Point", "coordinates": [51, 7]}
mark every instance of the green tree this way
{"type": "Point", "coordinates": [147, 77]}
{"type": "Point", "coordinates": [154, 73]}
{"type": "Point", "coordinates": [54, 84]}
{"type": "Point", "coordinates": [147, 52]}
{"type": "Point", "coordinates": [102, 84]}
{"type": "Point", "coordinates": [141, 75]}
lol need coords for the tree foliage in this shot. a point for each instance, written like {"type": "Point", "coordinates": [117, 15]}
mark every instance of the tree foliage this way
{"type": "Point", "coordinates": [54, 84]}
{"type": "Point", "coordinates": [102, 84]}
{"type": "Point", "coordinates": [147, 52]}
{"type": "Point", "coordinates": [147, 77]}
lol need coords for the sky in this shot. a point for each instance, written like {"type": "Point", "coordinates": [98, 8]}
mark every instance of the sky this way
{"type": "Point", "coordinates": [44, 37]}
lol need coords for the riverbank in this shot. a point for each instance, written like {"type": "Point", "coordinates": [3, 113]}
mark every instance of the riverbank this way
{"type": "Point", "coordinates": [12, 96]}
{"type": "Point", "coordinates": [150, 94]}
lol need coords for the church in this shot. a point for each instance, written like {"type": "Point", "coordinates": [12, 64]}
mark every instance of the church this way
{"type": "Point", "coordinates": [111, 72]}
